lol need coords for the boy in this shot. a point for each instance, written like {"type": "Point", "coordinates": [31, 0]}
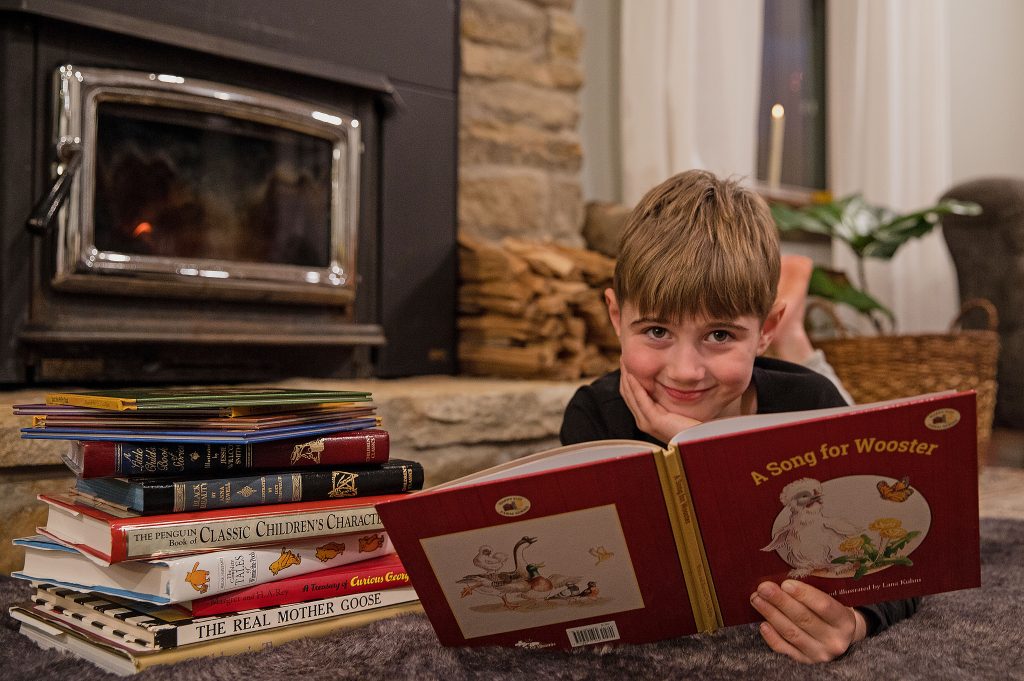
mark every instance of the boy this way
{"type": "Point", "coordinates": [693, 303]}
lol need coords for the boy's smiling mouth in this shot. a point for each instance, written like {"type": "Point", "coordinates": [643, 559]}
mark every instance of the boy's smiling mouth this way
{"type": "Point", "coordinates": [684, 395]}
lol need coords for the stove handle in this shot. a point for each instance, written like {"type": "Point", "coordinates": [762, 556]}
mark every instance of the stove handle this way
{"type": "Point", "coordinates": [45, 210]}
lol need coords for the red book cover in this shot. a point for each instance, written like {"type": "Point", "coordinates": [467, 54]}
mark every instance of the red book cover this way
{"type": "Point", "coordinates": [106, 458]}
{"type": "Point", "coordinates": [879, 504]}
{"type": "Point", "coordinates": [375, 574]}
{"type": "Point", "coordinates": [114, 536]}
{"type": "Point", "coordinates": [615, 542]}
{"type": "Point", "coordinates": [580, 553]}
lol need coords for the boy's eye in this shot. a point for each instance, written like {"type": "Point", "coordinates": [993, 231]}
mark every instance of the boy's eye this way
{"type": "Point", "coordinates": [657, 332]}
{"type": "Point", "coordinates": [719, 336]}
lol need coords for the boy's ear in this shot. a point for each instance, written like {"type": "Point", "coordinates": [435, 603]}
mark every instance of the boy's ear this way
{"type": "Point", "coordinates": [770, 326]}
{"type": "Point", "coordinates": [613, 309]}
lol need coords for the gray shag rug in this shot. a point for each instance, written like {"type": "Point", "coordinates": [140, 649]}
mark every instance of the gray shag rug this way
{"type": "Point", "coordinates": [974, 634]}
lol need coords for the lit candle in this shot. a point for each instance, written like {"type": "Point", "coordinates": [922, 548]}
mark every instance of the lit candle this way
{"type": "Point", "coordinates": [775, 150]}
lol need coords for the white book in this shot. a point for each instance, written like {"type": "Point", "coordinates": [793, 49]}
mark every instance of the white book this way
{"type": "Point", "coordinates": [202, 629]}
{"type": "Point", "coordinates": [185, 578]}
{"type": "Point", "coordinates": [121, 657]}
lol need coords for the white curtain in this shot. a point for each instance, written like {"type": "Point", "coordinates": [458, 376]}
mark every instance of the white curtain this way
{"type": "Point", "coordinates": [691, 80]}
{"type": "Point", "coordinates": [890, 139]}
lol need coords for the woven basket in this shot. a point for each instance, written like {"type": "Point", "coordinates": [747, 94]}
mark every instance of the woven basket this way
{"type": "Point", "coordinates": [874, 368]}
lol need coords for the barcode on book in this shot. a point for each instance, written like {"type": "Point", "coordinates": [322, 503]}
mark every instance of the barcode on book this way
{"type": "Point", "coordinates": [593, 633]}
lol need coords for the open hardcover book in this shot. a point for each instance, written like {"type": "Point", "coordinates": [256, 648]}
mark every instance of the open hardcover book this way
{"type": "Point", "coordinates": [621, 541]}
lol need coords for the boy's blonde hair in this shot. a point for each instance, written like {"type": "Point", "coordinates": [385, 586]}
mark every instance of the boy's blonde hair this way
{"type": "Point", "coordinates": [697, 244]}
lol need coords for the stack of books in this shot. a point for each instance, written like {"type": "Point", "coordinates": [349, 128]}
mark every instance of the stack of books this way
{"type": "Point", "coordinates": [211, 522]}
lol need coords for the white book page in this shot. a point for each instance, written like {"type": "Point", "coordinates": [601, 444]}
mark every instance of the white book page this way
{"type": "Point", "coordinates": [739, 424]}
{"type": "Point", "coordinates": [570, 455]}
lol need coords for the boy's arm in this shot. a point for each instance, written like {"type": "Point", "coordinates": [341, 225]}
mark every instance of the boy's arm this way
{"type": "Point", "coordinates": [581, 421]}
{"type": "Point", "coordinates": [805, 623]}
{"type": "Point", "coordinates": [881, 616]}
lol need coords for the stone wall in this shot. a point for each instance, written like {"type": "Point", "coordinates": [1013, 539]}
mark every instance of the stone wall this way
{"type": "Point", "coordinates": [520, 152]}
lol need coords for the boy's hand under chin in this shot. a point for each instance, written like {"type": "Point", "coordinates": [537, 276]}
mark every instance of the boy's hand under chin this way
{"type": "Point", "coordinates": [650, 416]}
{"type": "Point", "coordinates": [805, 623]}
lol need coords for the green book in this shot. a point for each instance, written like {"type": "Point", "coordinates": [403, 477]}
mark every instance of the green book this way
{"type": "Point", "coordinates": [141, 399]}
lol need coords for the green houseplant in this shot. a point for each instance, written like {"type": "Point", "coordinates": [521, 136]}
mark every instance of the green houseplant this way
{"type": "Point", "coordinates": [870, 232]}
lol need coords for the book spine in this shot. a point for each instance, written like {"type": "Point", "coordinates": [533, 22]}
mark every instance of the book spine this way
{"type": "Point", "coordinates": [131, 541]}
{"type": "Point", "coordinates": [99, 459]}
{"type": "Point", "coordinates": [93, 401]}
{"type": "Point", "coordinates": [354, 579]}
{"type": "Point", "coordinates": [698, 576]}
{"type": "Point", "coordinates": [219, 626]}
{"type": "Point", "coordinates": [108, 616]}
{"type": "Point", "coordinates": [152, 497]}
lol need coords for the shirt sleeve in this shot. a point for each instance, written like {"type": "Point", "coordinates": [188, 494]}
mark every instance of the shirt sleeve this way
{"type": "Point", "coordinates": [819, 364]}
{"type": "Point", "coordinates": [582, 420]}
{"type": "Point", "coordinates": [881, 616]}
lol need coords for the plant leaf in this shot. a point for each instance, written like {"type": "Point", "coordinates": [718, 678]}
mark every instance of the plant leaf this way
{"type": "Point", "coordinates": [835, 286]}
{"type": "Point", "coordinates": [890, 235]}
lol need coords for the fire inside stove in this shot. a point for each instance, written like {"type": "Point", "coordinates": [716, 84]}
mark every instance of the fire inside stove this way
{"type": "Point", "coordinates": [190, 180]}
{"type": "Point", "coordinates": [187, 185]}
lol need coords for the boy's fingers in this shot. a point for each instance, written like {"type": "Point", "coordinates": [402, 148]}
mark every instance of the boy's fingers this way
{"type": "Point", "coordinates": [790, 619]}
{"type": "Point", "coordinates": [781, 645]}
{"type": "Point", "coordinates": [817, 601]}
{"type": "Point", "coordinates": [812, 621]}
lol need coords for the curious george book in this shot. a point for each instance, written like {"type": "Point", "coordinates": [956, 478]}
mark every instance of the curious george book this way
{"type": "Point", "coordinates": [623, 542]}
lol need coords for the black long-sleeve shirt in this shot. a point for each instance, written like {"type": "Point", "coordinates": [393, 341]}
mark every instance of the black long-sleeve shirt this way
{"type": "Point", "coordinates": [598, 412]}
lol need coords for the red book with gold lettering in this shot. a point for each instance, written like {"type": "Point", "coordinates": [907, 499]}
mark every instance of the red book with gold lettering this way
{"type": "Point", "coordinates": [113, 535]}
{"type": "Point", "coordinates": [108, 458]}
{"type": "Point", "coordinates": [623, 542]}
{"type": "Point", "coordinates": [375, 574]}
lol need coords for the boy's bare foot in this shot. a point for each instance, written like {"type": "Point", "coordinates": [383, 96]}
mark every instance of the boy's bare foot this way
{"type": "Point", "coordinates": [791, 342]}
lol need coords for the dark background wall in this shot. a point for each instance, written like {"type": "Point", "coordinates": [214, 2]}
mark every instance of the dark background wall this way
{"type": "Point", "coordinates": [400, 58]}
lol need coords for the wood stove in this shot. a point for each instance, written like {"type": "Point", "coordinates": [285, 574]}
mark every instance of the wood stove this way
{"type": "Point", "coordinates": [207, 201]}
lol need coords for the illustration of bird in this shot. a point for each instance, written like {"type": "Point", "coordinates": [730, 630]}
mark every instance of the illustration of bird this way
{"type": "Point", "coordinates": [571, 589]}
{"type": "Point", "coordinates": [535, 587]}
{"type": "Point", "coordinates": [590, 592]}
{"type": "Point", "coordinates": [488, 560]}
{"type": "Point", "coordinates": [809, 540]}
{"type": "Point", "coordinates": [490, 581]}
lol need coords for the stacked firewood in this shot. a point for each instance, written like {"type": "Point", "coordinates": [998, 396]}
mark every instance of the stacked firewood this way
{"type": "Point", "coordinates": [534, 310]}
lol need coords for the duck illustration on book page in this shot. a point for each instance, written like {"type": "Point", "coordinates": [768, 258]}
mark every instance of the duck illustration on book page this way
{"type": "Point", "coordinates": [536, 572]}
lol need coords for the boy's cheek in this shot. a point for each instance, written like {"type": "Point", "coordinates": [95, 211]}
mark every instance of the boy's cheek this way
{"type": "Point", "coordinates": [641, 366]}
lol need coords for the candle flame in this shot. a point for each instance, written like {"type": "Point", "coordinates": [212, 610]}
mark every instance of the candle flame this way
{"type": "Point", "coordinates": [778, 111]}
{"type": "Point", "coordinates": [142, 228]}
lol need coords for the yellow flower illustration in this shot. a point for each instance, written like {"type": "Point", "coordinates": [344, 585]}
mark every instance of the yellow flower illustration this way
{"type": "Point", "coordinates": [892, 533]}
{"type": "Point", "coordinates": [851, 544]}
{"type": "Point", "coordinates": [885, 524]}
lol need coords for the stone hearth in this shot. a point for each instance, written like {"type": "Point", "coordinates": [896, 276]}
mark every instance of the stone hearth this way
{"type": "Point", "coordinates": [452, 425]}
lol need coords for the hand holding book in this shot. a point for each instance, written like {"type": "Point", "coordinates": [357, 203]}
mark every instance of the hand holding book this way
{"type": "Point", "coordinates": [650, 416]}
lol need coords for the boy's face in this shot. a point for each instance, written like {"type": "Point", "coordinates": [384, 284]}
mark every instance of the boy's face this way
{"type": "Point", "coordinates": [696, 367]}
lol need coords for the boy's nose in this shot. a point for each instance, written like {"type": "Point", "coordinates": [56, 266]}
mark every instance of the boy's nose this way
{"type": "Point", "coordinates": [686, 366]}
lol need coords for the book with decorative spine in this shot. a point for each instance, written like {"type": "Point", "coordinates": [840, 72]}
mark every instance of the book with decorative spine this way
{"type": "Point", "coordinates": [203, 575]}
{"type": "Point", "coordinates": [111, 535]}
{"type": "Point", "coordinates": [140, 459]}
{"type": "Point", "coordinates": [149, 496]}
{"type": "Point", "coordinates": [169, 627]}
{"type": "Point", "coordinates": [123, 658]}
{"type": "Point", "coordinates": [142, 399]}
{"type": "Point", "coordinates": [386, 572]}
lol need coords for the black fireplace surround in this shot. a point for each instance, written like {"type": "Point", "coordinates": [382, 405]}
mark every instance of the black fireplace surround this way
{"type": "Point", "coordinates": [347, 284]}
